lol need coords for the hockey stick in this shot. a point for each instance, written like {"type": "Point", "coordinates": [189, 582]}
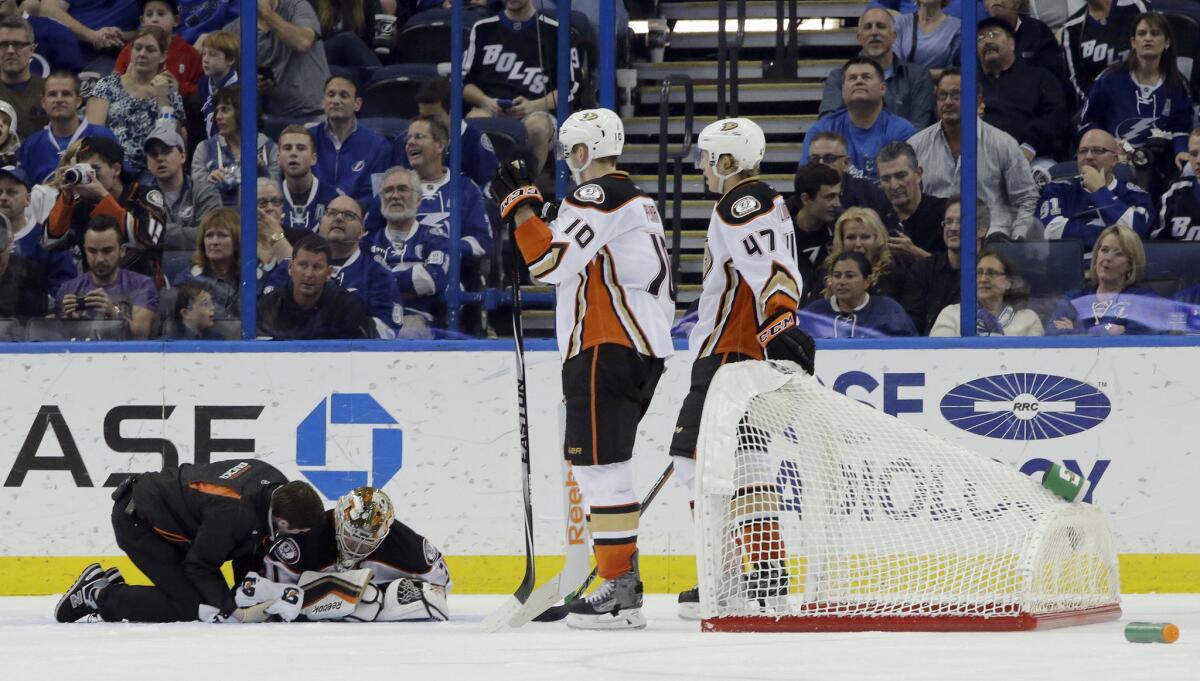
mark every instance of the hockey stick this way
{"type": "Point", "coordinates": [500, 617]}
{"type": "Point", "coordinates": [558, 612]}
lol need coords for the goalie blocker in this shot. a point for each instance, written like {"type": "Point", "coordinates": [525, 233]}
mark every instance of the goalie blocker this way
{"type": "Point", "coordinates": [322, 596]}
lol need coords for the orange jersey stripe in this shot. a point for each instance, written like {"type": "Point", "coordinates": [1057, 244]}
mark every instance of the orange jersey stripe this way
{"type": "Point", "coordinates": [600, 322]}
{"type": "Point", "coordinates": [741, 327]}
{"type": "Point", "coordinates": [215, 490]}
{"type": "Point", "coordinates": [533, 238]}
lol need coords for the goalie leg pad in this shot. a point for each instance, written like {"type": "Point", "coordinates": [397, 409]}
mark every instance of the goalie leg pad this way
{"type": "Point", "coordinates": [331, 596]}
{"type": "Point", "coordinates": [409, 600]}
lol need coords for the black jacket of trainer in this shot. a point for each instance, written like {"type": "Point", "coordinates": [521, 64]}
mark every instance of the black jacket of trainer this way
{"type": "Point", "coordinates": [214, 513]}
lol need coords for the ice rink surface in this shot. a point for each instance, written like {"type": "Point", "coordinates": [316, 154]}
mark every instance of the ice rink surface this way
{"type": "Point", "coordinates": [32, 647]}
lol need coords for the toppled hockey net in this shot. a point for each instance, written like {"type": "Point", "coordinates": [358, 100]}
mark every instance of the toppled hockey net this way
{"type": "Point", "coordinates": [818, 513]}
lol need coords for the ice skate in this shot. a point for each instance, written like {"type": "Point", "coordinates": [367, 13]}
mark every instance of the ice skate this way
{"type": "Point", "coordinates": [615, 604]}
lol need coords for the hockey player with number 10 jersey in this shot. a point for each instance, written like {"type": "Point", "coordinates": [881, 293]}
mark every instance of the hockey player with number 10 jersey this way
{"type": "Point", "coordinates": [606, 254]}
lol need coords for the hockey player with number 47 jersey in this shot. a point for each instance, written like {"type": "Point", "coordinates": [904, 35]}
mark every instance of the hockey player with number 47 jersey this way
{"type": "Point", "coordinates": [748, 305]}
{"type": "Point", "coordinates": [606, 254]}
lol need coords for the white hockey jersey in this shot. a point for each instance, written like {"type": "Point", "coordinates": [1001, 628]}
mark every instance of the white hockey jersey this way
{"type": "Point", "coordinates": [750, 270]}
{"type": "Point", "coordinates": [607, 255]}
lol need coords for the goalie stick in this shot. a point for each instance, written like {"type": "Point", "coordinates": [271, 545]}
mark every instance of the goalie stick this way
{"type": "Point", "coordinates": [514, 605]}
{"type": "Point", "coordinates": [558, 612]}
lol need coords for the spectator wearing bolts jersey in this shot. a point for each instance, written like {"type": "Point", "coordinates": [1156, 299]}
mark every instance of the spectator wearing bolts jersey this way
{"type": "Point", "coordinates": [1179, 218]}
{"type": "Point", "coordinates": [350, 156]}
{"type": "Point", "coordinates": [510, 70]}
{"type": "Point", "coordinates": [304, 196]}
{"type": "Point", "coordinates": [1096, 37]}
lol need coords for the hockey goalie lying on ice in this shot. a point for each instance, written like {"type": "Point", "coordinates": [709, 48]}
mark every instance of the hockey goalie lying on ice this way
{"type": "Point", "coordinates": [361, 564]}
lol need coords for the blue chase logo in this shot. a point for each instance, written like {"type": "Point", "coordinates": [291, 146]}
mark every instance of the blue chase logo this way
{"type": "Point", "coordinates": [1025, 406]}
{"type": "Point", "coordinates": [349, 409]}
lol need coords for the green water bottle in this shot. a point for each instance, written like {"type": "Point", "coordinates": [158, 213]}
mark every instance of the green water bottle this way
{"type": "Point", "coordinates": [1151, 632]}
{"type": "Point", "coordinates": [1065, 483]}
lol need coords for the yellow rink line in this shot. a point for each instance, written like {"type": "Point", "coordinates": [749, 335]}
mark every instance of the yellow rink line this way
{"type": "Point", "coordinates": [39, 575]}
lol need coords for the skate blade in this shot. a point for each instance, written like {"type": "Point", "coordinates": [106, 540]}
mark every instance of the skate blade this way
{"type": "Point", "coordinates": [626, 619]}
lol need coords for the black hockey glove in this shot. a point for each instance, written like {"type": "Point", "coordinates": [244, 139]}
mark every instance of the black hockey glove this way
{"type": "Point", "coordinates": [782, 339]}
{"type": "Point", "coordinates": [513, 186]}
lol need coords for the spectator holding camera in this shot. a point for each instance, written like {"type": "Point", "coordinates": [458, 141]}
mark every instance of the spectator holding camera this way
{"type": "Point", "coordinates": [291, 58]}
{"type": "Point", "coordinates": [216, 261]}
{"type": "Point", "coordinates": [184, 201]}
{"type": "Point", "coordinates": [61, 99]}
{"type": "Point", "coordinates": [218, 59]}
{"type": "Point", "coordinates": [89, 185]}
{"type": "Point", "coordinates": [58, 266]}
{"type": "Point", "coordinates": [350, 156]}
{"type": "Point", "coordinates": [108, 290]}
{"type": "Point", "coordinates": [217, 161]}
{"type": "Point", "coordinates": [309, 306]}
{"type": "Point", "coordinates": [193, 314]}
{"type": "Point", "coordinates": [182, 60]}
{"type": "Point", "coordinates": [131, 105]}
{"type": "Point", "coordinates": [304, 196]}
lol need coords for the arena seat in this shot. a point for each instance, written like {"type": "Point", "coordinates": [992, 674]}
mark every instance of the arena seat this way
{"type": "Point", "coordinates": [1173, 260]}
{"type": "Point", "coordinates": [176, 263]}
{"type": "Point", "coordinates": [392, 90]}
{"type": "Point", "coordinates": [1050, 268]}
{"type": "Point", "coordinates": [11, 330]}
{"type": "Point", "coordinates": [508, 135]}
{"type": "Point", "coordinates": [1186, 29]}
{"type": "Point", "coordinates": [388, 126]}
{"type": "Point", "coordinates": [96, 330]}
{"type": "Point", "coordinates": [425, 37]}
{"type": "Point", "coordinates": [44, 330]}
{"type": "Point", "coordinates": [271, 126]}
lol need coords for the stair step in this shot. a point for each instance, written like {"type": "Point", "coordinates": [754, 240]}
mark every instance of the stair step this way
{"type": "Point", "coordinates": [771, 125]}
{"type": "Point", "coordinates": [694, 184]}
{"type": "Point", "coordinates": [763, 9]}
{"type": "Point", "coordinates": [777, 152]}
{"type": "Point", "coordinates": [747, 93]}
{"type": "Point", "coordinates": [750, 70]}
{"type": "Point", "coordinates": [707, 40]}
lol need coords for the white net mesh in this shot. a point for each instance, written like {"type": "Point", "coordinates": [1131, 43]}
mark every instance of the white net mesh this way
{"type": "Point", "coordinates": [812, 505]}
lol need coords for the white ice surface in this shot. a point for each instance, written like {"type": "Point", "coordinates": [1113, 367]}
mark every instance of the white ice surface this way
{"type": "Point", "coordinates": [33, 647]}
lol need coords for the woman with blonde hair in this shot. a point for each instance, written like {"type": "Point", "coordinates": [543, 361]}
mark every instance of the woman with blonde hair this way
{"type": "Point", "coordinates": [860, 230]}
{"type": "Point", "coordinates": [216, 261]}
{"type": "Point", "coordinates": [1111, 303]}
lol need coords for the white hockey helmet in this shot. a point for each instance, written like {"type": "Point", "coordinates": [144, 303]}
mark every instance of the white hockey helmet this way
{"type": "Point", "coordinates": [600, 130]}
{"type": "Point", "coordinates": [740, 138]}
{"type": "Point", "coordinates": [361, 521]}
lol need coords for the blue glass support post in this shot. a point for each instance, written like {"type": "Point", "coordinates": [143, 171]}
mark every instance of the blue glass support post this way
{"type": "Point", "coordinates": [968, 190]}
{"type": "Point", "coordinates": [563, 66]}
{"type": "Point", "coordinates": [608, 55]}
{"type": "Point", "coordinates": [249, 204]}
{"type": "Point", "coordinates": [454, 289]}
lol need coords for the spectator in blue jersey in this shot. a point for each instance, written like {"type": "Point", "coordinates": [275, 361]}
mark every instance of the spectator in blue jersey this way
{"type": "Point", "coordinates": [428, 140]}
{"type": "Point", "coordinates": [309, 305]}
{"type": "Point", "coordinates": [61, 99]}
{"type": "Point", "coordinates": [55, 47]}
{"type": "Point", "coordinates": [929, 37]}
{"type": "Point", "coordinates": [859, 230]}
{"type": "Point", "coordinates": [304, 196]}
{"type": "Point", "coordinates": [829, 149]}
{"type": "Point", "coordinates": [107, 290]}
{"type": "Point", "coordinates": [133, 103]}
{"type": "Point", "coordinates": [216, 261]}
{"type": "Point", "coordinates": [1000, 295]}
{"type": "Point", "coordinates": [851, 311]}
{"type": "Point", "coordinates": [102, 26]}
{"type": "Point", "coordinates": [1095, 37]}
{"type": "Point", "coordinates": [218, 59]}
{"type": "Point", "coordinates": [218, 160]}
{"type": "Point", "coordinates": [417, 256]}
{"type": "Point", "coordinates": [1145, 94]}
{"type": "Point", "coordinates": [909, 89]}
{"type": "Point", "coordinates": [184, 200]}
{"type": "Point", "coordinates": [1035, 41]}
{"type": "Point", "coordinates": [1111, 303]}
{"type": "Point", "coordinates": [356, 271]}
{"type": "Point", "coordinates": [1179, 216]}
{"type": "Point", "coordinates": [1084, 207]}
{"type": "Point", "coordinates": [478, 158]}
{"type": "Point", "coordinates": [291, 58]}
{"type": "Point", "coordinates": [19, 86]}
{"type": "Point", "coordinates": [193, 314]}
{"type": "Point", "coordinates": [22, 282]}
{"type": "Point", "coordinates": [350, 156]}
{"type": "Point", "coordinates": [200, 17]}
{"type": "Point", "coordinates": [865, 124]}
{"type": "Point", "coordinates": [58, 266]}
{"type": "Point", "coordinates": [1021, 99]}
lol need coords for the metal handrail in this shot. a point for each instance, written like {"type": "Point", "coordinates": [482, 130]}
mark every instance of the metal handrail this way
{"type": "Point", "coordinates": [786, 63]}
{"type": "Point", "coordinates": [735, 55]}
{"type": "Point", "coordinates": [685, 150]}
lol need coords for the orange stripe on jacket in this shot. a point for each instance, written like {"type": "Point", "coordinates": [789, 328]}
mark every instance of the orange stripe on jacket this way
{"type": "Point", "coordinates": [172, 537]}
{"type": "Point", "coordinates": [215, 490]}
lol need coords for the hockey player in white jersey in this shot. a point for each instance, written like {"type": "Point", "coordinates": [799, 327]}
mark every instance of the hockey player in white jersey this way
{"type": "Point", "coordinates": [606, 254]}
{"type": "Point", "coordinates": [748, 305]}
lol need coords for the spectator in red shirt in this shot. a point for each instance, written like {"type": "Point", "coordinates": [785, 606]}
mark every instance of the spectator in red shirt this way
{"type": "Point", "coordinates": [183, 60]}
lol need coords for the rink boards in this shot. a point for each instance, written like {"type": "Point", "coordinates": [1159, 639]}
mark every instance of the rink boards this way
{"type": "Point", "coordinates": [438, 430]}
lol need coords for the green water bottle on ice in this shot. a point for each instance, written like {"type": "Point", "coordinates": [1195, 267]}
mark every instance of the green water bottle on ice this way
{"type": "Point", "coordinates": [1151, 632]}
{"type": "Point", "coordinates": [1065, 483]}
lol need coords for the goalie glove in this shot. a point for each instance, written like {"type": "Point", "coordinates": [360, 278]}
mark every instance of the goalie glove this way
{"type": "Point", "coordinates": [783, 340]}
{"type": "Point", "coordinates": [512, 187]}
{"type": "Point", "coordinates": [260, 597]}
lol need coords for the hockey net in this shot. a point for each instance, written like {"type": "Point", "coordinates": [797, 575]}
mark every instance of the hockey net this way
{"type": "Point", "coordinates": [818, 513]}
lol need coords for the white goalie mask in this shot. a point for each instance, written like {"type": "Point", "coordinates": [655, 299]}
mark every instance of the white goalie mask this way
{"type": "Point", "coordinates": [361, 521]}
{"type": "Point", "coordinates": [600, 130]}
{"type": "Point", "coordinates": [740, 138]}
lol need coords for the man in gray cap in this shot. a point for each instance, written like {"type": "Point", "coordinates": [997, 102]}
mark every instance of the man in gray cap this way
{"type": "Point", "coordinates": [185, 201]}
